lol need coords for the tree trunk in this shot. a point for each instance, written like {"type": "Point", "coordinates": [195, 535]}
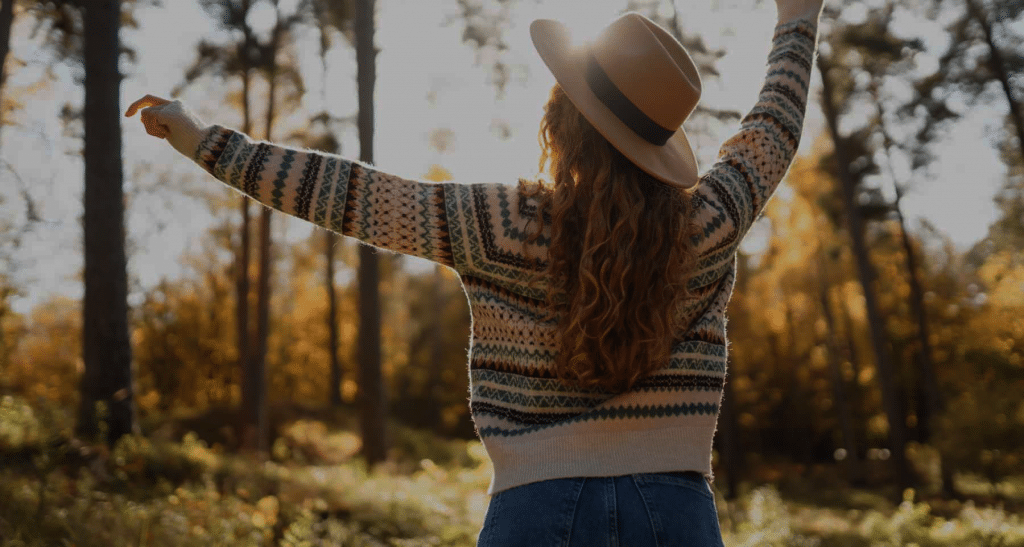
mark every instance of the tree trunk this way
{"type": "Point", "coordinates": [242, 282]}
{"type": "Point", "coordinates": [106, 343]}
{"type": "Point", "coordinates": [435, 380]}
{"type": "Point", "coordinates": [330, 240]}
{"type": "Point", "coordinates": [731, 453]}
{"type": "Point", "coordinates": [843, 407]}
{"type": "Point", "coordinates": [866, 274]}
{"type": "Point", "coordinates": [255, 398]}
{"type": "Point", "coordinates": [6, 21]}
{"type": "Point", "coordinates": [933, 406]}
{"type": "Point", "coordinates": [800, 439]}
{"type": "Point", "coordinates": [998, 66]}
{"type": "Point", "coordinates": [729, 427]}
{"type": "Point", "coordinates": [933, 396]}
{"type": "Point", "coordinates": [933, 403]}
{"type": "Point", "coordinates": [372, 399]}
{"type": "Point", "coordinates": [927, 370]}
{"type": "Point", "coordinates": [256, 412]}
{"type": "Point", "coordinates": [249, 385]}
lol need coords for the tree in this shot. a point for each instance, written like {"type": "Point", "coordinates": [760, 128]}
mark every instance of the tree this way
{"type": "Point", "coordinates": [6, 21]}
{"type": "Point", "coordinates": [885, 55]}
{"type": "Point", "coordinates": [372, 398]}
{"type": "Point", "coordinates": [256, 432]}
{"type": "Point", "coordinates": [1001, 66]}
{"type": "Point", "coordinates": [728, 438]}
{"type": "Point", "coordinates": [106, 344]}
{"type": "Point", "coordinates": [933, 399]}
{"type": "Point", "coordinates": [327, 15]}
{"type": "Point", "coordinates": [866, 273]}
{"type": "Point", "coordinates": [233, 59]}
{"type": "Point", "coordinates": [330, 240]}
{"type": "Point", "coordinates": [330, 14]}
{"type": "Point", "coordinates": [984, 49]}
{"type": "Point", "coordinates": [240, 59]}
{"type": "Point", "coordinates": [842, 398]}
{"type": "Point", "coordinates": [87, 36]}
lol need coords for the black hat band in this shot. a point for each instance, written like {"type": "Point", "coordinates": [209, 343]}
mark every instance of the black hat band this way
{"type": "Point", "coordinates": [624, 109]}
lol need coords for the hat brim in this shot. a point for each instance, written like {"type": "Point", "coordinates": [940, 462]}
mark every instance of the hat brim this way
{"type": "Point", "coordinates": [672, 163]}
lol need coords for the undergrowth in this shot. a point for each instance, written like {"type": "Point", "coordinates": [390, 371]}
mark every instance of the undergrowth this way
{"type": "Point", "coordinates": [315, 490]}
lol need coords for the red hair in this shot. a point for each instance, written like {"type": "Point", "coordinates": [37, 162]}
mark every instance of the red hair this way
{"type": "Point", "coordinates": [620, 253]}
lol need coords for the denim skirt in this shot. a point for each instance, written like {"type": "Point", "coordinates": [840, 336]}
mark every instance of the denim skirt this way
{"type": "Point", "coordinates": [640, 510]}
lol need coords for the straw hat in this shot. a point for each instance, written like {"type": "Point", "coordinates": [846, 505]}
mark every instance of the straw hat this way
{"type": "Point", "coordinates": [636, 85]}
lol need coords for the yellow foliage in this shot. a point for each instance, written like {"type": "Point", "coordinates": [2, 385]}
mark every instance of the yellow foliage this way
{"type": "Point", "coordinates": [1004, 279]}
{"type": "Point", "coordinates": [47, 360]}
{"type": "Point", "coordinates": [437, 173]}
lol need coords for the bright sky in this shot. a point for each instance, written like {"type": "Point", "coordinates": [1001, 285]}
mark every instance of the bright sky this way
{"type": "Point", "coordinates": [418, 56]}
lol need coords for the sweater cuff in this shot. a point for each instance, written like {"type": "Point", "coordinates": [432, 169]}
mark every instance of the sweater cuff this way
{"type": "Point", "coordinates": [806, 24]}
{"type": "Point", "coordinates": [809, 16]}
{"type": "Point", "coordinates": [187, 130]}
{"type": "Point", "coordinates": [212, 144]}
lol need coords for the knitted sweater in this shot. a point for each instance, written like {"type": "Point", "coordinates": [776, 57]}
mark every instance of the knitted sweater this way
{"type": "Point", "coordinates": [533, 426]}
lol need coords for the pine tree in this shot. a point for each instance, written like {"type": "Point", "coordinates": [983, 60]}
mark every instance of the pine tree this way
{"type": "Point", "coordinates": [372, 398]}
{"type": "Point", "coordinates": [106, 343]}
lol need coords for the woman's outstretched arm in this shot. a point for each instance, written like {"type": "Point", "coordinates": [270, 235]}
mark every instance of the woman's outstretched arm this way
{"type": "Point", "coordinates": [733, 193]}
{"type": "Point", "coordinates": [342, 195]}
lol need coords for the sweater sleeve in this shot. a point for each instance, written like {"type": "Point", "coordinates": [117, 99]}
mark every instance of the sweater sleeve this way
{"type": "Point", "coordinates": [733, 193]}
{"type": "Point", "coordinates": [341, 195]}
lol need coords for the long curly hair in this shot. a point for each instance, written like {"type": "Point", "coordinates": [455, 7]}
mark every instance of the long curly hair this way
{"type": "Point", "coordinates": [619, 258]}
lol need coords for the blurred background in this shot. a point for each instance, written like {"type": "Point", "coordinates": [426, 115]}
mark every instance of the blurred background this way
{"type": "Point", "coordinates": [877, 325]}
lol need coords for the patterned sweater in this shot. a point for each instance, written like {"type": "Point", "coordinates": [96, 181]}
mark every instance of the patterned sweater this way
{"type": "Point", "coordinates": [533, 426]}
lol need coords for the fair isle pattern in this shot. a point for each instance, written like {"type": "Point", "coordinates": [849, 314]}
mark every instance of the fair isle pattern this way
{"type": "Point", "coordinates": [533, 426]}
{"type": "Point", "coordinates": [282, 174]}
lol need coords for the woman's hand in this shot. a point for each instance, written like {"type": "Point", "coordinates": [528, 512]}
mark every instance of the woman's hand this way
{"type": "Point", "coordinates": [791, 10]}
{"type": "Point", "coordinates": [149, 119]}
{"type": "Point", "coordinates": [170, 120]}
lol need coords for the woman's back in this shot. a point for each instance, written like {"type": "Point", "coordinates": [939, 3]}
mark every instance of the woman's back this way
{"type": "Point", "coordinates": [536, 427]}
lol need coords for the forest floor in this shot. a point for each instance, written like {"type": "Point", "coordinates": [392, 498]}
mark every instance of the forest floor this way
{"type": "Point", "coordinates": [179, 487]}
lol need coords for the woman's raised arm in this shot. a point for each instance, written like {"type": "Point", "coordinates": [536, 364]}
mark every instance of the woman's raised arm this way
{"type": "Point", "coordinates": [733, 193]}
{"type": "Point", "coordinates": [342, 195]}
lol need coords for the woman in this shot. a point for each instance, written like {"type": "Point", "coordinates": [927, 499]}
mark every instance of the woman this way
{"type": "Point", "coordinates": [598, 298]}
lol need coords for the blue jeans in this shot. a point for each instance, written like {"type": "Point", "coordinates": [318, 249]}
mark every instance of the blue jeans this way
{"type": "Point", "coordinates": [640, 510]}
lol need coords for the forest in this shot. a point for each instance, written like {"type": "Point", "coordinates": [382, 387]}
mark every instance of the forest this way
{"type": "Point", "coordinates": [182, 366]}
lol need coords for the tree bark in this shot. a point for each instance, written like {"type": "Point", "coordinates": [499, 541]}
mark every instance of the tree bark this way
{"type": "Point", "coordinates": [435, 380]}
{"type": "Point", "coordinates": [933, 406]}
{"type": "Point", "coordinates": [799, 438]}
{"type": "Point", "coordinates": [372, 398]}
{"type": "Point", "coordinates": [730, 438]}
{"type": "Point", "coordinates": [927, 370]}
{"type": "Point", "coordinates": [998, 66]}
{"type": "Point", "coordinates": [6, 21]}
{"type": "Point", "coordinates": [246, 434]}
{"type": "Point", "coordinates": [105, 339]}
{"type": "Point", "coordinates": [255, 397]}
{"type": "Point", "coordinates": [867, 274]}
{"type": "Point", "coordinates": [242, 282]}
{"type": "Point", "coordinates": [843, 407]}
{"type": "Point", "coordinates": [330, 240]}
{"type": "Point", "coordinates": [256, 413]}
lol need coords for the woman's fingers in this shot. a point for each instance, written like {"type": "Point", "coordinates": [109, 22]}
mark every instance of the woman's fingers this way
{"type": "Point", "coordinates": [148, 100]}
{"type": "Point", "coordinates": [149, 120]}
{"type": "Point", "coordinates": [153, 126]}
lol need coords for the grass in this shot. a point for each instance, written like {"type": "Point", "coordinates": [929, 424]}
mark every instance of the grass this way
{"type": "Point", "coordinates": [176, 490]}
